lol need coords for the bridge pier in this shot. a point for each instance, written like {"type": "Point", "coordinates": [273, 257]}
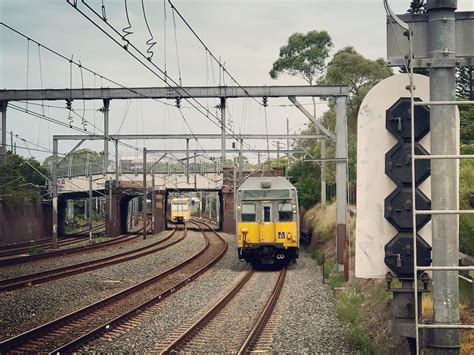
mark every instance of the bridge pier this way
{"type": "Point", "coordinates": [113, 213]}
{"type": "Point", "coordinates": [159, 212]}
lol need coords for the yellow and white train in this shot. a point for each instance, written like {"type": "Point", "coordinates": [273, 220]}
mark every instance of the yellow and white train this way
{"type": "Point", "coordinates": [267, 221]}
{"type": "Point", "coordinates": [180, 210]}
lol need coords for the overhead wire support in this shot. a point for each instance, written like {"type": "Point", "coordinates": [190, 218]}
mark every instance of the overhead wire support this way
{"type": "Point", "coordinates": [126, 29]}
{"type": "Point", "coordinates": [215, 122]}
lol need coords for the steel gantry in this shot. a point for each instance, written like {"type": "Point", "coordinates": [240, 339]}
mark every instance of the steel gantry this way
{"type": "Point", "coordinates": [338, 93]}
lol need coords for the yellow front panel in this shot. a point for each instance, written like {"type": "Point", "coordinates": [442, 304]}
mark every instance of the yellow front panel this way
{"type": "Point", "coordinates": [251, 232]}
{"type": "Point", "coordinates": [267, 232]}
{"type": "Point", "coordinates": [286, 233]}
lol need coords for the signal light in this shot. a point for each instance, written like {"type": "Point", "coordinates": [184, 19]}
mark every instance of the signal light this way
{"type": "Point", "coordinates": [399, 205]}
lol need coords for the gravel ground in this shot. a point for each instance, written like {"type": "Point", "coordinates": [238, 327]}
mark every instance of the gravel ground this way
{"type": "Point", "coordinates": [304, 320]}
{"type": "Point", "coordinates": [26, 308]}
{"type": "Point", "coordinates": [306, 313]}
{"type": "Point", "coordinates": [170, 314]}
{"type": "Point", "coordinates": [66, 260]}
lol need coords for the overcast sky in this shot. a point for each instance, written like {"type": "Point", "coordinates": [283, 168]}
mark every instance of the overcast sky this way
{"type": "Point", "coordinates": [245, 34]}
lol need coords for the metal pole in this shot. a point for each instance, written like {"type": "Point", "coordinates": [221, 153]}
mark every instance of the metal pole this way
{"type": "Point", "coordinates": [3, 132]}
{"type": "Point", "coordinates": [153, 199]}
{"type": "Point", "coordinates": [54, 185]}
{"type": "Point", "coordinates": [144, 193]}
{"type": "Point", "coordinates": [187, 161]}
{"type": "Point", "coordinates": [287, 147]}
{"type": "Point", "coordinates": [116, 161]}
{"type": "Point", "coordinates": [90, 207]}
{"type": "Point", "coordinates": [341, 179]}
{"type": "Point", "coordinates": [106, 134]}
{"type": "Point", "coordinates": [240, 162]}
{"type": "Point", "coordinates": [444, 174]}
{"type": "Point", "coordinates": [111, 223]}
{"type": "Point", "coordinates": [323, 171]}
{"type": "Point", "coordinates": [195, 173]}
{"type": "Point", "coordinates": [223, 118]}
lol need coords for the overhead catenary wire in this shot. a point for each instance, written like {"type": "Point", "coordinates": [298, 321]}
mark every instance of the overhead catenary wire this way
{"type": "Point", "coordinates": [206, 48]}
{"type": "Point", "coordinates": [160, 72]}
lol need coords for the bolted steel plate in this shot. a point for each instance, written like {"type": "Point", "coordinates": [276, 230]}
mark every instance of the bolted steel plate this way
{"type": "Point", "coordinates": [398, 209]}
{"type": "Point", "coordinates": [398, 164]}
{"type": "Point", "coordinates": [398, 120]}
{"type": "Point", "coordinates": [399, 255]}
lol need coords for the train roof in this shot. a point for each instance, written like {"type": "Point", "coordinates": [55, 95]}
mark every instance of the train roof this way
{"type": "Point", "coordinates": [276, 183]}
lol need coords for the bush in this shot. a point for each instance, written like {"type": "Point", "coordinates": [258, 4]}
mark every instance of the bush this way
{"type": "Point", "coordinates": [349, 312]}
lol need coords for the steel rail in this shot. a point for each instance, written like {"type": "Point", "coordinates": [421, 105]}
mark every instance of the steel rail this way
{"type": "Point", "coordinates": [20, 248]}
{"type": "Point", "coordinates": [208, 316]}
{"type": "Point", "coordinates": [62, 272]}
{"type": "Point", "coordinates": [71, 346]}
{"type": "Point", "coordinates": [264, 316]}
{"type": "Point", "coordinates": [67, 320]}
{"type": "Point", "coordinates": [68, 251]}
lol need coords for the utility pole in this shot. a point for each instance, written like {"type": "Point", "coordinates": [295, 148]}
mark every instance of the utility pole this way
{"type": "Point", "coordinates": [240, 162]}
{"type": "Point", "coordinates": [145, 191]}
{"type": "Point", "coordinates": [90, 208]}
{"type": "Point", "coordinates": [116, 161]}
{"type": "Point", "coordinates": [287, 147]}
{"type": "Point", "coordinates": [323, 171]}
{"type": "Point", "coordinates": [444, 172]}
{"type": "Point", "coordinates": [341, 184]}
{"type": "Point", "coordinates": [54, 186]}
{"type": "Point", "coordinates": [106, 134]}
{"type": "Point", "coordinates": [187, 161]}
{"type": "Point", "coordinates": [3, 132]}
{"type": "Point", "coordinates": [195, 172]}
{"type": "Point", "coordinates": [153, 199]}
{"type": "Point", "coordinates": [223, 119]}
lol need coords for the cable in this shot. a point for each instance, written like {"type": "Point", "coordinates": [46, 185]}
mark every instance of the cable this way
{"type": "Point", "coordinates": [27, 69]}
{"type": "Point", "coordinates": [126, 30]}
{"type": "Point", "coordinates": [216, 123]}
{"type": "Point", "coordinates": [164, 36]}
{"type": "Point", "coordinates": [177, 51]}
{"type": "Point", "coordinates": [150, 42]}
{"type": "Point", "coordinates": [208, 50]}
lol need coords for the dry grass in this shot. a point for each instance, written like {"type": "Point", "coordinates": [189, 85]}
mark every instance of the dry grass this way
{"type": "Point", "coordinates": [323, 220]}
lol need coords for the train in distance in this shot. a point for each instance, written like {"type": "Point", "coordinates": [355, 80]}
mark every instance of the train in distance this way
{"type": "Point", "coordinates": [180, 210]}
{"type": "Point", "coordinates": [267, 221]}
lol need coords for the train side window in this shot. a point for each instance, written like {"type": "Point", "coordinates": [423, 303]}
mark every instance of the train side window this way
{"type": "Point", "coordinates": [285, 212]}
{"type": "Point", "coordinates": [249, 212]}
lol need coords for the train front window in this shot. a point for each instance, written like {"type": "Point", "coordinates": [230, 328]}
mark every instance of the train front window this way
{"type": "Point", "coordinates": [285, 212]}
{"type": "Point", "coordinates": [249, 212]}
{"type": "Point", "coordinates": [267, 213]}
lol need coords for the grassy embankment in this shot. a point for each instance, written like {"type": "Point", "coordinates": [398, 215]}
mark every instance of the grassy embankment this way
{"type": "Point", "coordinates": [364, 306]}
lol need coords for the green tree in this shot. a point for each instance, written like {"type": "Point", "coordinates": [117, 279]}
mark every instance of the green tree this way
{"type": "Point", "coordinates": [417, 7]}
{"type": "Point", "coordinates": [304, 56]}
{"type": "Point", "coordinates": [360, 74]}
{"type": "Point", "coordinates": [22, 181]}
{"type": "Point", "coordinates": [78, 162]}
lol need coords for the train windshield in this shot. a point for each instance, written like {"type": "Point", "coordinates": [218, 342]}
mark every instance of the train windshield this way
{"type": "Point", "coordinates": [179, 206]}
{"type": "Point", "coordinates": [285, 212]}
{"type": "Point", "coordinates": [266, 194]}
{"type": "Point", "coordinates": [249, 212]}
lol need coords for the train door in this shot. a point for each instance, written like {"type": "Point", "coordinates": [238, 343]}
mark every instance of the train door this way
{"type": "Point", "coordinates": [267, 226]}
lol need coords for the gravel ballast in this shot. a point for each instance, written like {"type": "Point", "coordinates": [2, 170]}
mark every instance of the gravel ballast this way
{"type": "Point", "coordinates": [304, 320]}
{"type": "Point", "coordinates": [66, 260]}
{"type": "Point", "coordinates": [27, 308]}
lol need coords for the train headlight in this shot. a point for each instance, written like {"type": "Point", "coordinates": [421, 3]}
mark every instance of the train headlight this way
{"type": "Point", "coordinates": [294, 208]}
{"type": "Point", "coordinates": [288, 236]}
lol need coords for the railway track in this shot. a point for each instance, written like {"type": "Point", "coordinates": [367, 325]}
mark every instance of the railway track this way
{"type": "Point", "coordinates": [58, 273]}
{"type": "Point", "coordinates": [68, 251]}
{"type": "Point", "coordinates": [199, 335]}
{"type": "Point", "coordinates": [69, 332]}
{"type": "Point", "coordinates": [27, 247]}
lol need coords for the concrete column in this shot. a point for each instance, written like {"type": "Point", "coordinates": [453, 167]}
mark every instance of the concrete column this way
{"type": "Point", "coordinates": [341, 182]}
{"type": "Point", "coordinates": [444, 174]}
{"type": "Point", "coordinates": [145, 192]}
